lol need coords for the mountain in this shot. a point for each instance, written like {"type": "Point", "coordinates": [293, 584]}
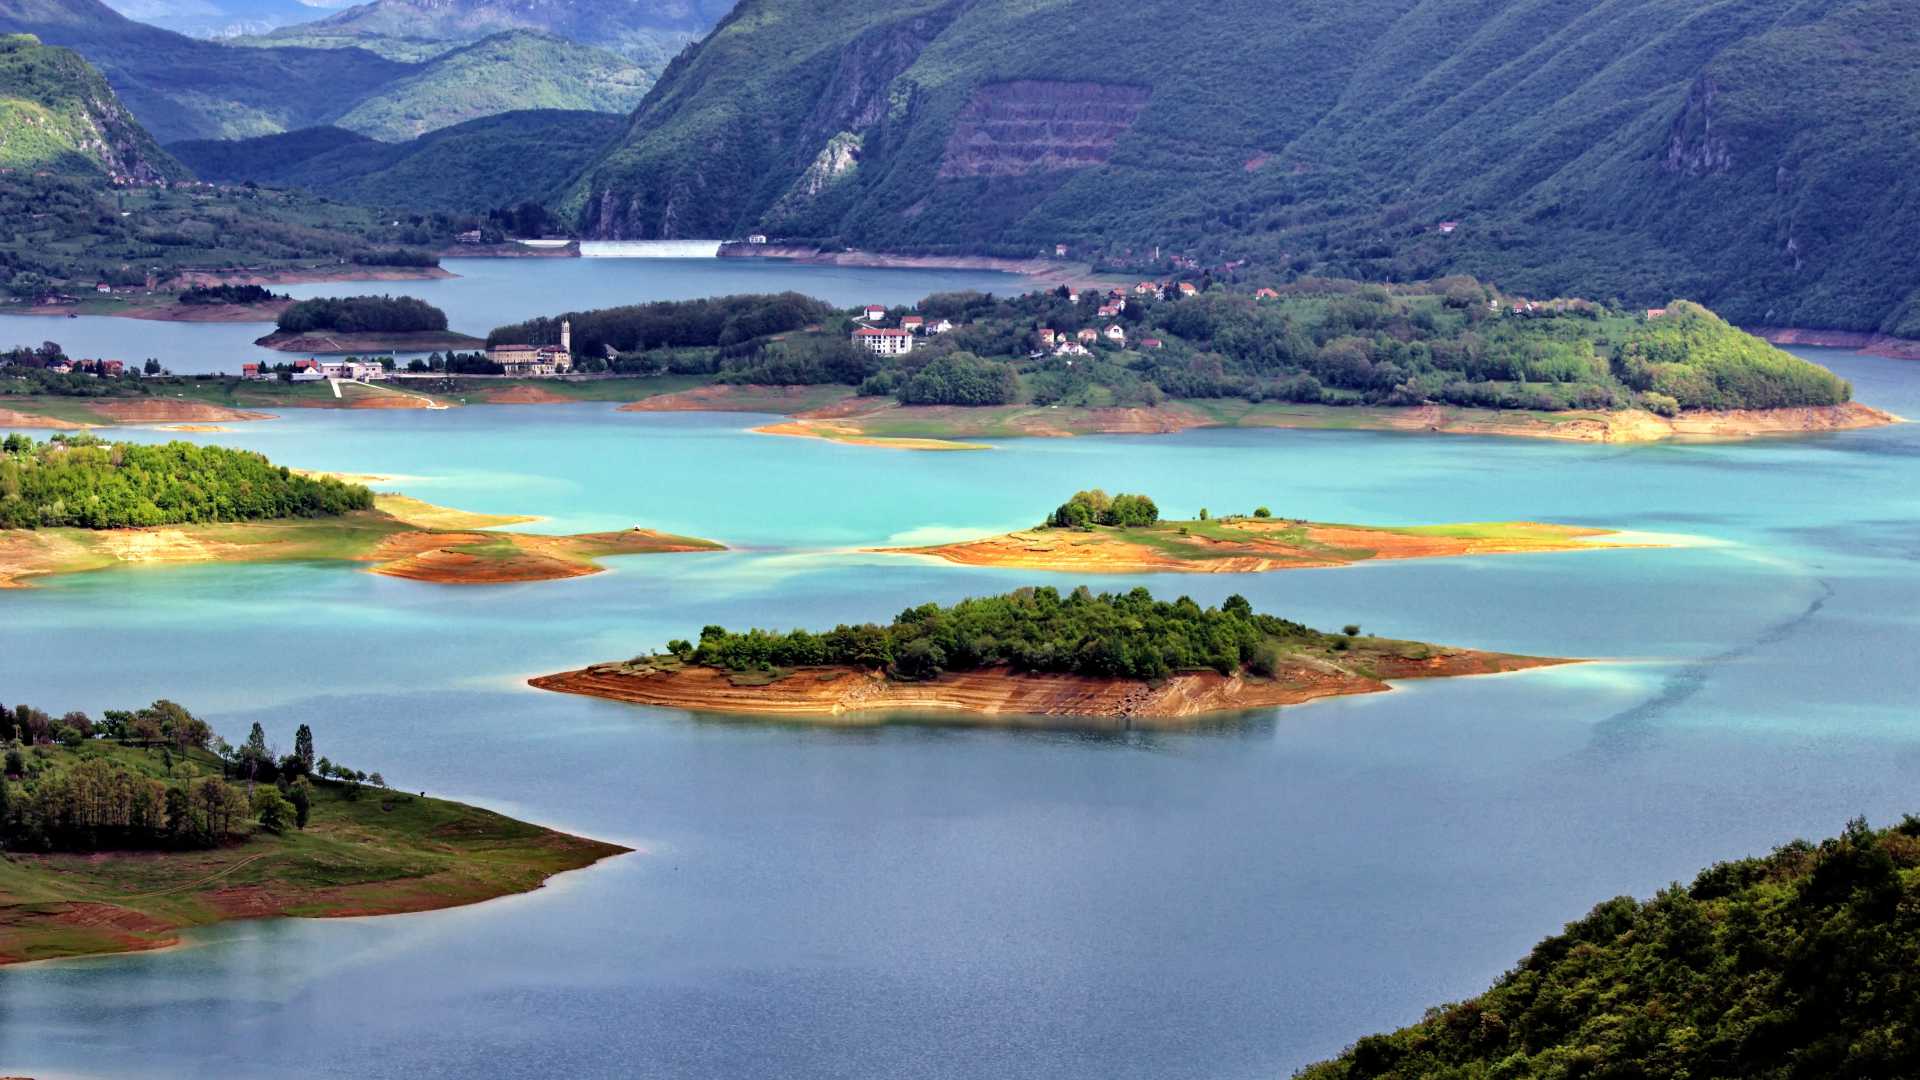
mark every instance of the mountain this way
{"type": "Point", "coordinates": [58, 115]}
{"type": "Point", "coordinates": [182, 87]}
{"type": "Point", "coordinates": [1801, 964]}
{"type": "Point", "coordinates": [647, 31]}
{"type": "Point", "coordinates": [1763, 157]}
{"type": "Point", "coordinates": [218, 18]}
{"type": "Point", "coordinates": [511, 71]}
{"type": "Point", "coordinates": [496, 161]}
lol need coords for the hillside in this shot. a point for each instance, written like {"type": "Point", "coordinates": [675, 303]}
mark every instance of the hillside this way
{"type": "Point", "coordinates": [649, 32]}
{"type": "Point", "coordinates": [184, 88]}
{"type": "Point", "coordinates": [495, 161]}
{"type": "Point", "coordinates": [1800, 964]}
{"type": "Point", "coordinates": [1628, 148]}
{"type": "Point", "coordinates": [58, 114]}
{"type": "Point", "coordinates": [502, 73]}
{"type": "Point", "coordinates": [216, 18]}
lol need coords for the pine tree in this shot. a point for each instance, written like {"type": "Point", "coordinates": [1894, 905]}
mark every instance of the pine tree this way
{"type": "Point", "coordinates": [303, 746]}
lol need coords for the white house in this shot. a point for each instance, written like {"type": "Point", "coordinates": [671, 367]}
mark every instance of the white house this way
{"type": "Point", "coordinates": [1071, 348]}
{"type": "Point", "coordinates": [883, 341]}
{"type": "Point", "coordinates": [913, 323]}
{"type": "Point", "coordinates": [874, 313]}
{"type": "Point", "coordinates": [1116, 334]}
{"type": "Point", "coordinates": [941, 327]}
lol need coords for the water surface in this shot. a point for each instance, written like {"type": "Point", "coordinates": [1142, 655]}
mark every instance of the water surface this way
{"type": "Point", "coordinates": [920, 901]}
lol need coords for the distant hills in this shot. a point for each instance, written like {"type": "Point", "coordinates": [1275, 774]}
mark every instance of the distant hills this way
{"type": "Point", "coordinates": [496, 161]}
{"type": "Point", "coordinates": [187, 88]}
{"type": "Point", "coordinates": [219, 18]}
{"type": "Point", "coordinates": [58, 115]}
{"type": "Point", "coordinates": [1761, 157]}
{"type": "Point", "coordinates": [649, 32]}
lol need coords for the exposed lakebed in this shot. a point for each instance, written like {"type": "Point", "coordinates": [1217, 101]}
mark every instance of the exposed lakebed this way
{"type": "Point", "coordinates": [920, 900]}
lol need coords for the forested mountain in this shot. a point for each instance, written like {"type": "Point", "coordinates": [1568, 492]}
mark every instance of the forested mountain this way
{"type": "Point", "coordinates": [1801, 964]}
{"type": "Point", "coordinates": [57, 114]}
{"type": "Point", "coordinates": [647, 31]}
{"type": "Point", "coordinates": [1763, 157]}
{"type": "Point", "coordinates": [495, 161]}
{"type": "Point", "coordinates": [219, 18]}
{"type": "Point", "coordinates": [185, 88]}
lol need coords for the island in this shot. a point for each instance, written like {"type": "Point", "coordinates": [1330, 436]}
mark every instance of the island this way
{"type": "Point", "coordinates": [122, 831]}
{"type": "Point", "coordinates": [76, 503]}
{"type": "Point", "coordinates": [1124, 534]}
{"type": "Point", "coordinates": [1798, 963]}
{"type": "Point", "coordinates": [361, 324]}
{"type": "Point", "coordinates": [1033, 653]}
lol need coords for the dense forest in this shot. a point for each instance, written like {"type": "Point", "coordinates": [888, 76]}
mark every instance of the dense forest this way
{"type": "Point", "coordinates": [150, 778]}
{"type": "Point", "coordinates": [1805, 963]}
{"type": "Point", "coordinates": [84, 482]}
{"type": "Point", "coordinates": [723, 322]}
{"type": "Point", "coordinates": [1123, 635]}
{"type": "Point", "coordinates": [362, 314]}
{"type": "Point", "coordinates": [202, 295]}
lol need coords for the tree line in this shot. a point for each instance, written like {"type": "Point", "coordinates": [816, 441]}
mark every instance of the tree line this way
{"type": "Point", "coordinates": [170, 784]}
{"type": "Point", "coordinates": [84, 482]}
{"type": "Point", "coordinates": [1096, 507]}
{"type": "Point", "coordinates": [1120, 635]}
{"type": "Point", "coordinates": [672, 324]}
{"type": "Point", "coordinates": [362, 314]}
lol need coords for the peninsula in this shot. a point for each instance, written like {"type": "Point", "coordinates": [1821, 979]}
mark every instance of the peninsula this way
{"type": "Point", "coordinates": [122, 831]}
{"type": "Point", "coordinates": [358, 324]}
{"type": "Point", "coordinates": [1030, 653]}
{"type": "Point", "coordinates": [78, 503]}
{"type": "Point", "coordinates": [1124, 534]}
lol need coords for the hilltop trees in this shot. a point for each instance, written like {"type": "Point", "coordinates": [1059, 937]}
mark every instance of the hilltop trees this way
{"type": "Point", "coordinates": [83, 482]}
{"type": "Point", "coordinates": [1096, 508]}
{"type": "Point", "coordinates": [362, 314]}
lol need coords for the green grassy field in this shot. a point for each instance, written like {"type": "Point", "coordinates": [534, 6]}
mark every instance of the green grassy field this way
{"type": "Point", "coordinates": [365, 851]}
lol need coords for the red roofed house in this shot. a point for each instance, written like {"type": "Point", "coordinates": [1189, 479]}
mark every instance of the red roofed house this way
{"type": "Point", "coordinates": [913, 322]}
{"type": "Point", "coordinates": [1266, 294]}
{"type": "Point", "coordinates": [883, 341]}
{"type": "Point", "coordinates": [250, 371]}
{"type": "Point", "coordinates": [1448, 226]}
{"type": "Point", "coordinates": [1656, 312]}
{"type": "Point", "coordinates": [874, 313]}
{"type": "Point", "coordinates": [1145, 288]}
{"type": "Point", "coordinates": [112, 367]}
{"type": "Point", "coordinates": [1047, 336]}
{"type": "Point", "coordinates": [1151, 343]}
{"type": "Point", "coordinates": [1187, 289]}
{"type": "Point", "coordinates": [1089, 336]}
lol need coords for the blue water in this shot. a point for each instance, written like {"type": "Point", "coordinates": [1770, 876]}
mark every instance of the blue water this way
{"type": "Point", "coordinates": [923, 901]}
{"type": "Point", "coordinates": [494, 292]}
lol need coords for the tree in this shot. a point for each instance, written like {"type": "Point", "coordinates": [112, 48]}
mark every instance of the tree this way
{"type": "Point", "coordinates": [300, 794]}
{"type": "Point", "coordinates": [272, 809]}
{"type": "Point", "coordinates": [1262, 512]}
{"type": "Point", "coordinates": [303, 745]}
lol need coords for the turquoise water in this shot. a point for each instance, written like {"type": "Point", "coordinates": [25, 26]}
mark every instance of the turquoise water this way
{"type": "Point", "coordinates": [493, 292]}
{"type": "Point", "coordinates": [921, 901]}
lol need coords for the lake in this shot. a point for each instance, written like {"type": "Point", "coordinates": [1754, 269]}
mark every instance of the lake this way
{"type": "Point", "coordinates": [494, 292]}
{"type": "Point", "coordinates": [922, 901]}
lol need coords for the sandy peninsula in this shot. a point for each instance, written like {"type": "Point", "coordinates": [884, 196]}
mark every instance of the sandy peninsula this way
{"type": "Point", "coordinates": [997, 694]}
{"type": "Point", "coordinates": [401, 537]}
{"type": "Point", "coordinates": [1243, 545]}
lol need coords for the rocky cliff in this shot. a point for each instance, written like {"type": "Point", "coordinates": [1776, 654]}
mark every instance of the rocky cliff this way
{"type": "Point", "coordinates": [58, 115]}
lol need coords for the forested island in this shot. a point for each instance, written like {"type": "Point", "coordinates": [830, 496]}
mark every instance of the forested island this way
{"type": "Point", "coordinates": [1035, 652]}
{"type": "Point", "coordinates": [1093, 532]}
{"type": "Point", "coordinates": [337, 324]}
{"type": "Point", "coordinates": [75, 503]}
{"type": "Point", "coordinates": [118, 832]}
{"type": "Point", "coordinates": [1804, 963]}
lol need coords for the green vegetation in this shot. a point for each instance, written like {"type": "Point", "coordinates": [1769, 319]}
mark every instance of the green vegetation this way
{"type": "Point", "coordinates": [650, 33]}
{"type": "Point", "coordinates": [1758, 158]}
{"type": "Point", "coordinates": [362, 315]}
{"type": "Point", "coordinates": [148, 818]}
{"type": "Point", "coordinates": [1128, 635]}
{"type": "Point", "coordinates": [503, 73]}
{"type": "Point", "coordinates": [200, 295]}
{"type": "Point", "coordinates": [1800, 964]}
{"type": "Point", "coordinates": [84, 482]}
{"type": "Point", "coordinates": [741, 327]}
{"type": "Point", "coordinates": [1097, 508]}
{"type": "Point", "coordinates": [494, 161]}
{"type": "Point", "coordinates": [58, 114]}
{"type": "Point", "coordinates": [1450, 342]}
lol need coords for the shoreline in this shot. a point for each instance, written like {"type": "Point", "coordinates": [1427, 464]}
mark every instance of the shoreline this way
{"type": "Point", "coordinates": [1860, 341]}
{"type": "Point", "coordinates": [877, 421]}
{"type": "Point", "coordinates": [323, 343]}
{"type": "Point", "coordinates": [1038, 269]}
{"type": "Point", "coordinates": [996, 695]}
{"type": "Point", "coordinates": [164, 306]}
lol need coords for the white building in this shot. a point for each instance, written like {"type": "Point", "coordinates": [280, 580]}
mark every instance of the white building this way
{"type": "Point", "coordinates": [883, 341]}
{"type": "Point", "coordinates": [536, 360]}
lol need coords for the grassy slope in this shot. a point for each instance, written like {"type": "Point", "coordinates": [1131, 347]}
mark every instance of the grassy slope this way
{"type": "Point", "coordinates": [382, 853]}
{"type": "Point", "coordinates": [493, 161]}
{"type": "Point", "coordinates": [1545, 127]}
